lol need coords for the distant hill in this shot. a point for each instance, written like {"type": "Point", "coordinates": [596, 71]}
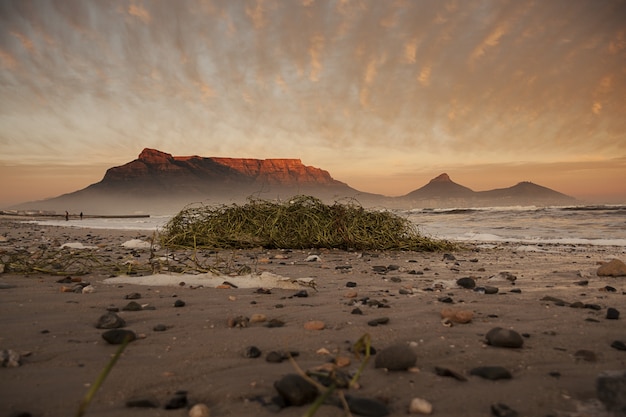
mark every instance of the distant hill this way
{"type": "Point", "coordinates": [159, 183]}
{"type": "Point", "coordinates": [443, 192]}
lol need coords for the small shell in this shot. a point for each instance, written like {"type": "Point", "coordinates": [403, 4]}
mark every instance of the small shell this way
{"type": "Point", "coordinates": [420, 406]}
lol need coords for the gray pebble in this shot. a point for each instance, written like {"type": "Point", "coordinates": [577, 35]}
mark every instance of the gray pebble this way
{"type": "Point", "coordinates": [396, 358]}
{"type": "Point", "coordinates": [504, 338]}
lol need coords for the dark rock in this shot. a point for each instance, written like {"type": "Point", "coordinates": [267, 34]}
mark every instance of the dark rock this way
{"type": "Point", "coordinates": [379, 269]}
{"type": "Point", "coordinates": [301, 294]}
{"type": "Point", "coordinates": [504, 338]}
{"type": "Point", "coordinates": [118, 336]}
{"type": "Point", "coordinates": [350, 284]}
{"type": "Point", "coordinates": [179, 400]}
{"type": "Point", "coordinates": [608, 288]}
{"type": "Point", "coordinates": [447, 300]}
{"type": "Point", "coordinates": [593, 307]}
{"type": "Point", "coordinates": [160, 328]}
{"type": "Point", "coordinates": [503, 410]}
{"type": "Point", "coordinates": [357, 311]}
{"type": "Point", "coordinates": [252, 352]}
{"type": "Point", "coordinates": [133, 296]}
{"type": "Point", "coordinates": [466, 282]}
{"type": "Point", "coordinates": [612, 313]}
{"type": "Point", "coordinates": [586, 355]}
{"type": "Point", "coordinates": [516, 290]}
{"type": "Point", "coordinates": [380, 320]}
{"type": "Point", "coordinates": [449, 372]}
{"type": "Point", "coordinates": [449, 257]}
{"type": "Point", "coordinates": [491, 290]}
{"type": "Point", "coordinates": [492, 373]}
{"type": "Point", "coordinates": [396, 358]}
{"type": "Point", "coordinates": [275, 357]}
{"type": "Point", "coordinates": [142, 403]}
{"type": "Point", "coordinates": [611, 390]}
{"type": "Point", "coordinates": [179, 303]}
{"type": "Point", "coordinates": [132, 306]}
{"type": "Point", "coordinates": [295, 390]}
{"type": "Point", "coordinates": [275, 323]}
{"type": "Point", "coordinates": [619, 345]}
{"type": "Point", "coordinates": [367, 407]}
{"type": "Point", "coordinates": [20, 414]}
{"type": "Point", "coordinates": [110, 320]}
{"type": "Point", "coordinates": [582, 283]}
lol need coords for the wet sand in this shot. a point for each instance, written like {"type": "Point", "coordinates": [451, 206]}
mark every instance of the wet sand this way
{"type": "Point", "coordinates": [556, 302]}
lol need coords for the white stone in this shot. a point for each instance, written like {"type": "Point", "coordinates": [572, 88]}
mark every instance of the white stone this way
{"type": "Point", "coordinates": [420, 406]}
{"type": "Point", "coordinates": [200, 410]}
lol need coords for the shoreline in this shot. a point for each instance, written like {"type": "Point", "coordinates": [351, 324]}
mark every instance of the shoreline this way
{"type": "Point", "coordinates": [565, 347]}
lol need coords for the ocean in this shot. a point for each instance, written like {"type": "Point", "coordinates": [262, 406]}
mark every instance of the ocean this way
{"type": "Point", "coordinates": [576, 225]}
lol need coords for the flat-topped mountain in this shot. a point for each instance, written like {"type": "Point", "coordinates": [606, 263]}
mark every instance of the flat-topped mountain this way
{"type": "Point", "coordinates": [157, 182]}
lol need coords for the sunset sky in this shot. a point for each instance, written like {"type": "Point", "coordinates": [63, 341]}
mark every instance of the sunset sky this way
{"type": "Point", "coordinates": [385, 95]}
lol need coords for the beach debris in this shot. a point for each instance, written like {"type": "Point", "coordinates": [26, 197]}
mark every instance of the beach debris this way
{"type": "Point", "coordinates": [613, 268]}
{"type": "Point", "coordinates": [77, 245]}
{"type": "Point", "coordinates": [398, 357]}
{"type": "Point", "coordinates": [492, 373]}
{"type": "Point", "coordinates": [239, 321]}
{"type": "Point", "coordinates": [200, 410]}
{"type": "Point", "coordinates": [504, 338]}
{"type": "Point", "coordinates": [313, 258]}
{"type": "Point", "coordinates": [10, 358]}
{"type": "Point", "coordinates": [503, 276]}
{"type": "Point", "coordinates": [88, 289]}
{"type": "Point", "coordinates": [420, 406]}
{"type": "Point", "coordinates": [136, 244]}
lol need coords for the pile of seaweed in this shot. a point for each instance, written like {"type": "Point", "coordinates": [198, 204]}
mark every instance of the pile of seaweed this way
{"type": "Point", "coordinates": [301, 222]}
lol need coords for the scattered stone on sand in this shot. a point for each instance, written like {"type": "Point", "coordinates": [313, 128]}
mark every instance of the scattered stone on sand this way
{"type": "Point", "coordinates": [239, 321]}
{"type": "Point", "coordinates": [118, 336]}
{"type": "Point", "coordinates": [612, 313]}
{"type": "Point", "coordinates": [492, 373]}
{"type": "Point", "coordinates": [258, 318]}
{"type": "Point", "coordinates": [613, 268]}
{"type": "Point", "coordinates": [442, 371]}
{"type": "Point", "coordinates": [611, 391]}
{"type": "Point", "coordinates": [420, 406]}
{"type": "Point", "coordinates": [366, 407]}
{"type": "Point", "coordinates": [466, 282]}
{"type": "Point", "coordinates": [457, 316]}
{"type": "Point", "coordinates": [398, 357]}
{"type": "Point", "coordinates": [159, 328]}
{"type": "Point", "coordinates": [275, 323]}
{"type": "Point", "coordinates": [132, 306]}
{"type": "Point", "coordinates": [503, 410]}
{"type": "Point", "coordinates": [503, 276]}
{"type": "Point", "coordinates": [314, 325]}
{"type": "Point", "coordinates": [618, 344]}
{"type": "Point", "coordinates": [200, 410]}
{"type": "Point", "coordinates": [142, 403]}
{"type": "Point", "coordinates": [295, 390]}
{"type": "Point", "coordinates": [179, 400]}
{"type": "Point", "coordinates": [132, 296]}
{"type": "Point", "coordinates": [179, 303]}
{"type": "Point", "coordinates": [252, 352]}
{"type": "Point", "coordinates": [378, 321]}
{"type": "Point", "coordinates": [9, 358]}
{"type": "Point", "coordinates": [489, 290]}
{"type": "Point", "coordinates": [586, 355]}
{"type": "Point", "coordinates": [110, 320]}
{"type": "Point", "coordinates": [500, 337]}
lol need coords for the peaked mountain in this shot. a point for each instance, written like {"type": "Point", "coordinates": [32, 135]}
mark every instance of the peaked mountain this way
{"type": "Point", "coordinates": [443, 192]}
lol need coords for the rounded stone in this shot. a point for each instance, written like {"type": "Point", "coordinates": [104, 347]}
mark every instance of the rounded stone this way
{"type": "Point", "coordinates": [314, 325]}
{"type": "Point", "coordinates": [504, 338]}
{"type": "Point", "coordinates": [492, 373]}
{"type": "Point", "coordinates": [612, 313]}
{"type": "Point", "coordinates": [118, 336]}
{"type": "Point", "coordinates": [200, 410]}
{"type": "Point", "coordinates": [252, 352]}
{"type": "Point", "coordinates": [420, 406]}
{"type": "Point", "coordinates": [295, 390]}
{"type": "Point", "coordinates": [110, 320]}
{"type": "Point", "coordinates": [396, 358]}
{"type": "Point", "coordinates": [466, 282]}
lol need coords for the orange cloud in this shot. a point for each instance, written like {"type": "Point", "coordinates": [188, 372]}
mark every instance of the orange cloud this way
{"type": "Point", "coordinates": [139, 12]}
{"type": "Point", "coordinates": [424, 76]}
{"type": "Point", "coordinates": [26, 42]}
{"type": "Point", "coordinates": [7, 60]}
{"type": "Point", "coordinates": [315, 51]}
{"type": "Point", "coordinates": [257, 14]}
{"type": "Point", "coordinates": [491, 40]}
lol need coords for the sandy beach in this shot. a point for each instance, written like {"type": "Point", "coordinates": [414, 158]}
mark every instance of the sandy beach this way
{"type": "Point", "coordinates": [194, 341]}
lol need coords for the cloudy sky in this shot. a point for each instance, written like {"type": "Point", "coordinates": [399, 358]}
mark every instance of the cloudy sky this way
{"type": "Point", "coordinates": [385, 95]}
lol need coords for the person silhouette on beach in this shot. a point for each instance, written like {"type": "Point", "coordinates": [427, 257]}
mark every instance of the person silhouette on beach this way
{"type": "Point", "coordinates": [81, 215]}
{"type": "Point", "coordinates": [67, 216]}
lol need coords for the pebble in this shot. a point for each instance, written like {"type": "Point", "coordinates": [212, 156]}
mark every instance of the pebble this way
{"type": "Point", "coordinates": [457, 316]}
{"type": "Point", "coordinates": [376, 322]}
{"type": "Point", "coordinates": [295, 390]}
{"type": "Point", "coordinates": [466, 282]}
{"type": "Point", "coordinates": [396, 358]}
{"type": "Point", "coordinates": [612, 313]}
{"type": "Point", "coordinates": [110, 320]}
{"type": "Point", "coordinates": [179, 303]}
{"type": "Point", "coordinates": [366, 407]}
{"type": "Point", "coordinates": [618, 344]}
{"type": "Point", "coordinates": [133, 296]}
{"type": "Point", "coordinates": [141, 403]}
{"type": "Point", "coordinates": [200, 410]}
{"type": "Point", "coordinates": [275, 323]}
{"type": "Point", "coordinates": [586, 355]}
{"type": "Point", "coordinates": [9, 358]}
{"type": "Point", "coordinates": [420, 406]}
{"type": "Point", "coordinates": [314, 325]}
{"type": "Point", "coordinates": [118, 336]}
{"type": "Point", "coordinates": [252, 352]}
{"type": "Point", "coordinates": [258, 318]}
{"type": "Point", "coordinates": [239, 321]}
{"type": "Point", "coordinates": [441, 371]}
{"type": "Point", "coordinates": [500, 337]}
{"type": "Point", "coordinates": [613, 268]}
{"type": "Point", "coordinates": [132, 306]}
{"type": "Point", "coordinates": [503, 276]}
{"type": "Point", "coordinates": [492, 373]}
{"type": "Point", "coordinates": [503, 410]}
{"type": "Point", "coordinates": [301, 294]}
{"type": "Point", "coordinates": [179, 400]}
{"type": "Point", "coordinates": [160, 328]}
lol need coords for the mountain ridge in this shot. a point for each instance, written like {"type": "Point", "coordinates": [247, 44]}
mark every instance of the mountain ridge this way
{"type": "Point", "coordinates": [158, 182]}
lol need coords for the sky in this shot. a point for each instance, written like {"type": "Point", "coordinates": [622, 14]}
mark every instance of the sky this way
{"type": "Point", "coordinates": [385, 95]}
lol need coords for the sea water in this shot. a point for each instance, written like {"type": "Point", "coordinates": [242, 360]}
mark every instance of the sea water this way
{"type": "Point", "coordinates": [577, 225]}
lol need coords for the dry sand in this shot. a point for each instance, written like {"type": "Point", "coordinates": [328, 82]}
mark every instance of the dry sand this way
{"type": "Point", "coordinates": [63, 352]}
